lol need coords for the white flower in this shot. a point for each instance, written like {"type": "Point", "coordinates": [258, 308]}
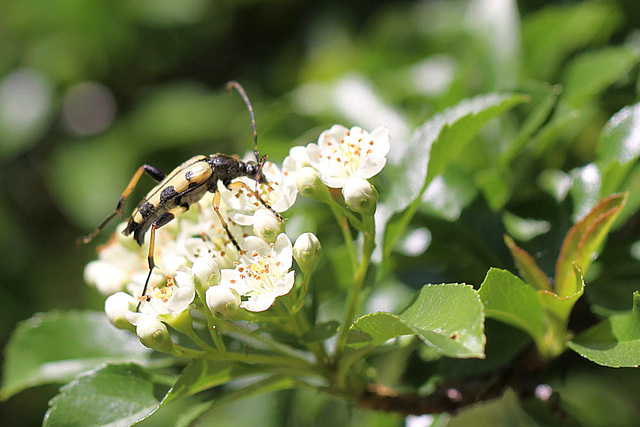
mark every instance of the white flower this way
{"type": "Point", "coordinates": [280, 193]}
{"type": "Point", "coordinates": [172, 298]}
{"type": "Point", "coordinates": [342, 154]}
{"type": "Point", "coordinates": [263, 273]}
{"type": "Point", "coordinates": [114, 268]}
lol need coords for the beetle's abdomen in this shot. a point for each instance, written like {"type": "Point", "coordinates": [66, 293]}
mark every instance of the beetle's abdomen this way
{"type": "Point", "coordinates": [183, 186]}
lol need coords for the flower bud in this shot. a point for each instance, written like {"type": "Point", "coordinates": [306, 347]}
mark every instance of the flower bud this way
{"type": "Point", "coordinates": [310, 185]}
{"type": "Point", "coordinates": [266, 225]}
{"type": "Point", "coordinates": [152, 333]}
{"type": "Point", "coordinates": [116, 308]}
{"type": "Point", "coordinates": [307, 251]}
{"type": "Point", "coordinates": [206, 270]}
{"type": "Point", "coordinates": [222, 300]}
{"type": "Point", "coordinates": [360, 196]}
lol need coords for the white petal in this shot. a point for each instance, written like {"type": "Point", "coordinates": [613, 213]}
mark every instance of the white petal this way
{"type": "Point", "coordinates": [332, 180]}
{"type": "Point", "coordinates": [231, 278]}
{"type": "Point", "coordinates": [314, 155]}
{"type": "Point", "coordinates": [260, 302]}
{"type": "Point", "coordinates": [180, 300]}
{"type": "Point", "coordinates": [380, 138]}
{"type": "Point", "coordinates": [253, 244]}
{"type": "Point", "coordinates": [370, 167]}
{"type": "Point", "coordinates": [285, 284]}
{"type": "Point", "coordinates": [284, 252]}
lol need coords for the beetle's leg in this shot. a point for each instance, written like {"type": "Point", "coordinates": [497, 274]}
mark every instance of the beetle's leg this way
{"type": "Point", "coordinates": [163, 219]}
{"type": "Point", "coordinates": [239, 184]}
{"type": "Point", "coordinates": [154, 173]}
{"type": "Point", "coordinates": [216, 207]}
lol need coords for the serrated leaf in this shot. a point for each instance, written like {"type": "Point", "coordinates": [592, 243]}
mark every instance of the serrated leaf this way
{"type": "Point", "coordinates": [614, 342]}
{"type": "Point", "coordinates": [510, 300]}
{"type": "Point", "coordinates": [592, 72]}
{"type": "Point", "coordinates": [112, 395]}
{"type": "Point", "coordinates": [447, 317]}
{"type": "Point", "coordinates": [431, 149]}
{"type": "Point", "coordinates": [56, 346]}
{"type": "Point", "coordinates": [583, 240]}
{"type": "Point", "coordinates": [527, 266]}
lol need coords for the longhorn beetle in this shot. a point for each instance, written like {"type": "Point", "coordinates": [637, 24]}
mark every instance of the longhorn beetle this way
{"type": "Point", "coordinates": [186, 185]}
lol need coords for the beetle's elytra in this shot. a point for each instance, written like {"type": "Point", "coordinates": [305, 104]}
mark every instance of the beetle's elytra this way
{"type": "Point", "coordinates": [185, 185]}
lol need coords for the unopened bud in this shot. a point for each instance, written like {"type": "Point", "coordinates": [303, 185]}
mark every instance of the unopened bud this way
{"type": "Point", "coordinates": [152, 332]}
{"type": "Point", "coordinates": [206, 270]}
{"type": "Point", "coordinates": [266, 225]}
{"type": "Point", "coordinates": [360, 196]}
{"type": "Point", "coordinates": [310, 185]}
{"type": "Point", "coordinates": [116, 308]}
{"type": "Point", "coordinates": [307, 251]}
{"type": "Point", "coordinates": [221, 300]}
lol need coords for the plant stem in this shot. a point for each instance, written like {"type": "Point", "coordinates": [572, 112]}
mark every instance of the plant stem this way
{"type": "Point", "coordinates": [353, 304]}
{"type": "Point", "coordinates": [346, 233]}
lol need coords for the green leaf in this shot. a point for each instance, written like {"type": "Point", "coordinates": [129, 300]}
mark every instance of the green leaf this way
{"type": "Point", "coordinates": [560, 306]}
{"type": "Point", "coordinates": [458, 125]}
{"type": "Point", "coordinates": [552, 34]}
{"type": "Point", "coordinates": [618, 152]}
{"type": "Point", "coordinates": [618, 147]}
{"type": "Point", "coordinates": [432, 148]}
{"type": "Point", "coordinates": [510, 300]}
{"type": "Point", "coordinates": [202, 374]}
{"type": "Point", "coordinates": [447, 317]}
{"type": "Point", "coordinates": [228, 396]}
{"type": "Point", "coordinates": [527, 266]}
{"type": "Point", "coordinates": [56, 346]}
{"type": "Point", "coordinates": [583, 240]}
{"type": "Point", "coordinates": [592, 72]}
{"type": "Point", "coordinates": [614, 342]}
{"type": "Point", "coordinates": [448, 195]}
{"type": "Point", "coordinates": [109, 395]}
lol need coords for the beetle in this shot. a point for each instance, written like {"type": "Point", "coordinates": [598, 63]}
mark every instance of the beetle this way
{"type": "Point", "coordinates": [184, 186]}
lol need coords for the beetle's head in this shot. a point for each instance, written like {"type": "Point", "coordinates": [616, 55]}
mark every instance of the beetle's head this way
{"type": "Point", "coordinates": [254, 170]}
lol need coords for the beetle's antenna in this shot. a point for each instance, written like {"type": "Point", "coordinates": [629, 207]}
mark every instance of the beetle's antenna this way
{"type": "Point", "coordinates": [240, 89]}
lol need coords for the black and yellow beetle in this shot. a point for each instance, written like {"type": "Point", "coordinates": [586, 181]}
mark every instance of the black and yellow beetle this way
{"type": "Point", "coordinates": [185, 185]}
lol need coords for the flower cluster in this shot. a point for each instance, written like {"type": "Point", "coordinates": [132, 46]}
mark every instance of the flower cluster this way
{"type": "Point", "coordinates": [198, 267]}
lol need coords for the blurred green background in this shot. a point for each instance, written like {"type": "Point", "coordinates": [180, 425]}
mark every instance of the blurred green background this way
{"type": "Point", "coordinates": [90, 90]}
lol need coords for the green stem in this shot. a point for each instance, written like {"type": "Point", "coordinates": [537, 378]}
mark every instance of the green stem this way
{"type": "Point", "coordinates": [346, 233]}
{"type": "Point", "coordinates": [264, 359]}
{"type": "Point", "coordinates": [198, 341]}
{"type": "Point", "coordinates": [246, 335]}
{"type": "Point", "coordinates": [211, 319]}
{"type": "Point", "coordinates": [353, 304]}
{"type": "Point", "coordinates": [188, 353]}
